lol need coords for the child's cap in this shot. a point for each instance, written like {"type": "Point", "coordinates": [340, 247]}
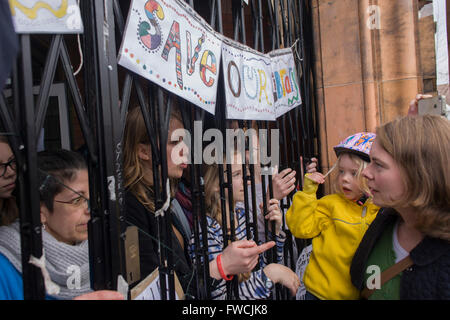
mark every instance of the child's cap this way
{"type": "Point", "coordinates": [359, 144]}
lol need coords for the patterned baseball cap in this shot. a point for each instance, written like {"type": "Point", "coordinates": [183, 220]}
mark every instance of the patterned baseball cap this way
{"type": "Point", "coordinates": [359, 143]}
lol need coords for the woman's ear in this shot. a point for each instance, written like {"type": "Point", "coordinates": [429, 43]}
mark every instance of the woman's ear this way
{"type": "Point", "coordinates": [44, 213]}
{"type": "Point", "coordinates": [144, 151]}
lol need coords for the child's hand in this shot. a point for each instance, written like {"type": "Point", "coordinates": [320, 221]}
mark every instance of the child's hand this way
{"type": "Point", "coordinates": [283, 183]}
{"type": "Point", "coordinates": [312, 166]}
{"type": "Point", "coordinates": [317, 177]}
{"type": "Point", "coordinates": [274, 214]}
{"type": "Point", "coordinates": [282, 274]}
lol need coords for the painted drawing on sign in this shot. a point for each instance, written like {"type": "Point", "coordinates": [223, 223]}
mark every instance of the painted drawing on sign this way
{"type": "Point", "coordinates": [150, 31]}
{"type": "Point", "coordinates": [50, 16]}
{"type": "Point", "coordinates": [248, 85]}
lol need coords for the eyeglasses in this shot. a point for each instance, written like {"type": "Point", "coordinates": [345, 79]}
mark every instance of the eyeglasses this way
{"type": "Point", "coordinates": [4, 166]}
{"type": "Point", "coordinates": [77, 202]}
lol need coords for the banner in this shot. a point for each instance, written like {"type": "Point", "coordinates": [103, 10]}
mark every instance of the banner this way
{"type": "Point", "coordinates": [166, 42]}
{"type": "Point", "coordinates": [248, 83]}
{"type": "Point", "coordinates": [49, 16]}
{"type": "Point", "coordinates": [286, 90]}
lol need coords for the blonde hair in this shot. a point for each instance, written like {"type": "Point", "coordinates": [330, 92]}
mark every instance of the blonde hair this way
{"type": "Point", "coordinates": [8, 206]}
{"type": "Point", "coordinates": [362, 182]}
{"type": "Point", "coordinates": [420, 145]}
{"type": "Point", "coordinates": [213, 204]}
{"type": "Point", "coordinates": [212, 198]}
{"type": "Point", "coordinates": [134, 168]}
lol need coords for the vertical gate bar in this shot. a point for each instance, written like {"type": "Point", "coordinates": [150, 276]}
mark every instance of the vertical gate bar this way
{"type": "Point", "coordinates": [314, 107]}
{"type": "Point", "coordinates": [109, 253]}
{"type": "Point", "coordinates": [164, 117]}
{"type": "Point", "coordinates": [156, 163]}
{"type": "Point", "coordinates": [306, 93]}
{"type": "Point", "coordinates": [98, 256]}
{"type": "Point", "coordinates": [199, 178]}
{"type": "Point", "coordinates": [221, 124]}
{"type": "Point", "coordinates": [189, 119]}
{"type": "Point", "coordinates": [273, 35]}
{"type": "Point", "coordinates": [283, 164]}
{"type": "Point", "coordinates": [30, 224]}
{"type": "Point", "coordinates": [112, 134]}
{"type": "Point", "coordinates": [295, 156]}
{"type": "Point", "coordinates": [245, 178]}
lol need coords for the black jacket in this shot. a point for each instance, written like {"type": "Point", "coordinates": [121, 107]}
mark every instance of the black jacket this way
{"type": "Point", "coordinates": [428, 278]}
{"type": "Point", "coordinates": [138, 215]}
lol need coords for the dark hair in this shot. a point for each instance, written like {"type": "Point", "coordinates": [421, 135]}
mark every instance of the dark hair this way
{"type": "Point", "coordinates": [56, 168]}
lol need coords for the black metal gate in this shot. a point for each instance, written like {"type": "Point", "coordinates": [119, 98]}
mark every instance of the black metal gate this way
{"type": "Point", "coordinates": [97, 103]}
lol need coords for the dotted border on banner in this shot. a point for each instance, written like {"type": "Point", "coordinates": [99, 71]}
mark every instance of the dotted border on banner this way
{"type": "Point", "coordinates": [240, 55]}
{"type": "Point", "coordinates": [250, 108]}
{"type": "Point", "coordinates": [164, 80]}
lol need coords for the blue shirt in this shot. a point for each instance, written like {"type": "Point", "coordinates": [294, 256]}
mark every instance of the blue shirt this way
{"type": "Point", "coordinates": [11, 283]}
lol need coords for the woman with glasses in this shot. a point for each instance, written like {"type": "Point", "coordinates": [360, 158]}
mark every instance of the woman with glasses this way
{"type": "Point", "coordinates": [8, 207]}
{"type": "Point", "coordinates": [64, 196]}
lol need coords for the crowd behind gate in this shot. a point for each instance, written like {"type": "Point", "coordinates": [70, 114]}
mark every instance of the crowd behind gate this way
{"type": "Point", "coordinates": [383, 234]}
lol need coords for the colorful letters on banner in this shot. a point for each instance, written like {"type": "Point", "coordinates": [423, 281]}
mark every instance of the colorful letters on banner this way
{"type": "Point", "coordinates": [248, 83]}
{"type": "Point", "coordinates": [286, 91]}
{"type": "Point", "coordinates": [166, 42]}
{"type": "Point", "coordinates": [49, 16]}
{"type": "Point", "coordinates": [258, 86]}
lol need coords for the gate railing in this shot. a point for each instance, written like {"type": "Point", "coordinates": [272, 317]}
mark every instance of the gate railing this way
{"type": "Point", "coordinates": [101, 99]}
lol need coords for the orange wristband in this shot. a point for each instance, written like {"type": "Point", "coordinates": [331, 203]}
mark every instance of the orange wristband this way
{"type": "Point", "coordinates": [219, 266]}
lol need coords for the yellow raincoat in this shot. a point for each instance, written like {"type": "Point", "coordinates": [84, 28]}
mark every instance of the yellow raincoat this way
{"type": "Point", "coordinates": [337, 226]}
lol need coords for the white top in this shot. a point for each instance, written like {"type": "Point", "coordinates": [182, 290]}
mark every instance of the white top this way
{"type": "Point", "coordinates": [400, 253]}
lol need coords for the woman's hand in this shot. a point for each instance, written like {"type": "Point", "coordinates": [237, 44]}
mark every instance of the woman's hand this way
{"type": "Point", "coordinates": [274, 214]}
{"type": "Point", "coordinates": [239, 257]}
{"type": "Point", "coordinates": [283, 183]}
{"type": "Point", "coordinates": [101, 295]}
{"type": "Point", "coordinates": [283, 275]}
{"type": "Point", "coordinates": [414, 104]}
{"type": "Point", "coordinates": [312, 166]}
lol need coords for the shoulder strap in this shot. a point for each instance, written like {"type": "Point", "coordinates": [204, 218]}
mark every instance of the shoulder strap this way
{"type": "Point", "coordinates": [388, 274]}
{"type": "Point", "coordinates": [176, 208]}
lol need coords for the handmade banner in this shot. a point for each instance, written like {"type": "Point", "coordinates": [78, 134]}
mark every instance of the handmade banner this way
{"type": "Point", "coordinates": [248, 83]}
{"type": "Point", "coordinates": [49, 16]}
{"type": "Point", "coordinates": [286, 90]}
{"type": "Point", "coordinates": [166, 42]}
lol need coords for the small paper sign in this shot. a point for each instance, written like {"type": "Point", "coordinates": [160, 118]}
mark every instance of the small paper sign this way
{"type": "Point", "coordinates": [46, 16]}
{"type": "Point", "coordinates": [150, 288]}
